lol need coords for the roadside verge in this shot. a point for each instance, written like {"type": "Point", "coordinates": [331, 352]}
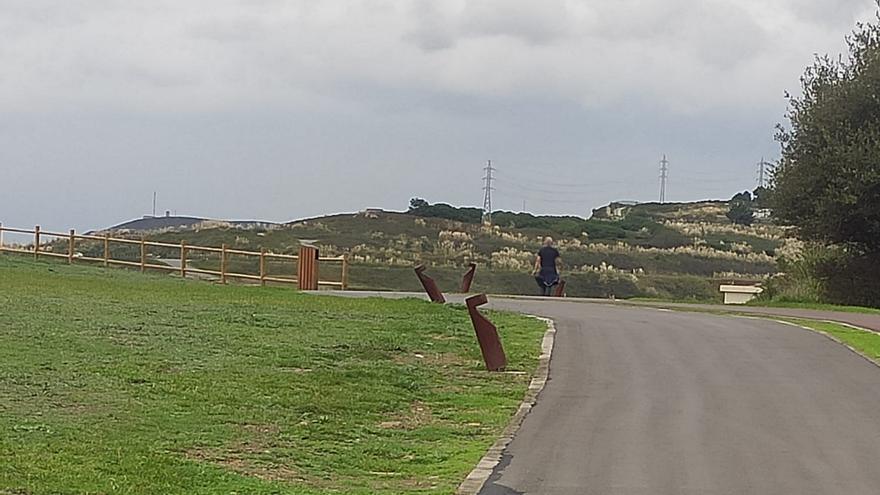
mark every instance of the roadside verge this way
{"type": "Point", "coordinates": [480, 474]}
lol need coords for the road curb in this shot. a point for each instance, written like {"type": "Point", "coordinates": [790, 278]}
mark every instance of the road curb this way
{"type": "Point", "coordinates": [480, 474]}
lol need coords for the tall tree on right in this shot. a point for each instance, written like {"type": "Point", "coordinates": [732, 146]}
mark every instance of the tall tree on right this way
{"type": "Point", "coordinates": [827, 183]}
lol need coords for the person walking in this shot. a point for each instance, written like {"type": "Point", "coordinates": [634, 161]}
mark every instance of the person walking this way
{"type": "Point", "coordinates": [546, 267]}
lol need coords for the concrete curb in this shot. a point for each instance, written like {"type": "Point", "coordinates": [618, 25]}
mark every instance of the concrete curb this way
{"type": "Point", "coordinates": [480, 474]}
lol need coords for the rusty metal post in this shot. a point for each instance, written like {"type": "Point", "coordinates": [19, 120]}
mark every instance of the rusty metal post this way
{"type": "Point", "coordinates": [468, 278]}
{"type": "Point", "coordinates": [307, 268]}
{"type": "Point", "coordinates": [429, 285]}
{"type": "Point", "coordinates": [560, 289]}
{"type": "Point", "coordinates": [487, 335]}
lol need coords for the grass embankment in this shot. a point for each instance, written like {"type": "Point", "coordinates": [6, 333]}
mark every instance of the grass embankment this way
{"type": "Point", "coordinates": [868, 343]}
{"type": "Point", "coordinates": [116, 382]}
{"type": "Point", "coordinates": [815, 306]}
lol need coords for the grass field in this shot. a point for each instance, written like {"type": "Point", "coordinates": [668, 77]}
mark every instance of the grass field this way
{"type": "Point", "coordinates": [117, 382]}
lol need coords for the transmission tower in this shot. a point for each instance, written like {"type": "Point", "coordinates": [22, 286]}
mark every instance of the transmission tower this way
{"type": "Point", "coordinates": [764, 170]}
{"type": "Point", "coordinates": [664, 174]}
{"type": "Point", "coordinates": [487, 197]}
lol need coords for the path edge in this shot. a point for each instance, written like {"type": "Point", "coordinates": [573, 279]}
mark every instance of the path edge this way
{"type": "Point", "coordinates": [484, 469]}
{"type": "Point", "coordinates": [827, 335]}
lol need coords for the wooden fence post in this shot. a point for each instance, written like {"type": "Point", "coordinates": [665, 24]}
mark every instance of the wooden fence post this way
{"type": "Point", "coordinates": [1, 237]}
{"type": "Point", "coordinates": [223, 264]}
{"type": "Point", "coordinates": [143, 255]}
{"type": "Point", "coordinates": [71, 246]}
{"type": "Point", "coordinates": [263, 266]}
{"type": "Point", "coordinates": [344, 279]}
{"type": "Point", "coordinates": [106, 249]}
{"type": "Point", "coordinates": [183, 259]}
{"type": "Point", "coordinates": [36, 241]}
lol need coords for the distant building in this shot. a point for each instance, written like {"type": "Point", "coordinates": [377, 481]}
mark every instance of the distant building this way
{"type": "Point", "coordinates": [763, 213]}
{"type": "Point", "coordinates": [371, 212]}
{"type": "Point", "coordinates": [614, 211]}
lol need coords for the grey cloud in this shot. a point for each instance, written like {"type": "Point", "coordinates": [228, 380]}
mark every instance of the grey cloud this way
{"type": "Point", "coordinates": [386, 99]}
{"type": "Point", "coordinates": [532, 22]}
{"type": "Point", "coordinates": [231, 30]}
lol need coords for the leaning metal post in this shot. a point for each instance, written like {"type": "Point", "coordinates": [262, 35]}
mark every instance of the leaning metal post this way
{"type": "Point", "coordinates": [560, 289]}
{"type": "Point", "coordinates": [429, 285]}
{"type": "Point", "coordinates": [468, 278]}
{"type": "Point", "coordinates": [487, 335]}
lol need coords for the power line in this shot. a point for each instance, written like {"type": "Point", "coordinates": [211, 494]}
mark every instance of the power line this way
{"type": "Point", "coordinates": [664, 174]}
{"type": "Point", "coordinates": [487, 197]}
{"type": "Point", "coordinates": [507, 184]}
{"type": "Point", "coordinates": [531, 179]}
{"type": "Point", "coordinates": [541, 199]}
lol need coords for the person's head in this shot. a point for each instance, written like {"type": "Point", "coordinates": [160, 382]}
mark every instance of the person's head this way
{"type": "Point", "coordinates": [548, 241]}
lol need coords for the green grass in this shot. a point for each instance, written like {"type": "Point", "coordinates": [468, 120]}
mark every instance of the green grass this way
{"type": "Point", "coordinates": [863, 341]}
{"type": "Point", "coordinates": [816, 306]}
{"type": "Point", "coordinates": [117, 382]}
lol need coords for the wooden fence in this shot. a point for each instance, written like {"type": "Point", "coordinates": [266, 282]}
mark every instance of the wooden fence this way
{"type": "Point", "coordinates": [307, 261]}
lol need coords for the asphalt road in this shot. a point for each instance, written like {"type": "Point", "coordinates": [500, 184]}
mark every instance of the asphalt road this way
{"type": "Point", "coordinates": [644, 401]}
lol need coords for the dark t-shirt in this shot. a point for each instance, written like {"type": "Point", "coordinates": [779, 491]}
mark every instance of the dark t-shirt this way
{"type": "Point", "coordinates": [548, 257]}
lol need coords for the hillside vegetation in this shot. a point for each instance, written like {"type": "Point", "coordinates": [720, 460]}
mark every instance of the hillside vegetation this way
{"type": "Point", "coordinates": [678, 251]}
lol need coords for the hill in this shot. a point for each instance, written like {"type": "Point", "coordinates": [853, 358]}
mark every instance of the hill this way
{"type": "Point", "coordinates": [679, 251]}
{"type": "Point", "coordinates": [152, 224]}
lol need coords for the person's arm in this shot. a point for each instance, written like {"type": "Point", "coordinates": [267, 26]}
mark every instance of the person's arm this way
{"type": "Point", "coordinates": [537, 265]}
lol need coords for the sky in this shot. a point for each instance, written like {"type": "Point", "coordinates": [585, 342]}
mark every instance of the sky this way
{"type": "Point", "coordinates": [284, 109]}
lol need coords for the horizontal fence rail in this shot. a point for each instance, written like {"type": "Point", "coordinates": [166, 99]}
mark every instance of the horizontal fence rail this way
{"type": "Point", "coordinates": [46, 243]}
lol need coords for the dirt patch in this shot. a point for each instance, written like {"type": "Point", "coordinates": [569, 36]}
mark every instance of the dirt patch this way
{"type": "Point", "coordinates": [419, 415]}
{"type": "Point", "coordinates": [246, 456]}
{"type": "Point", "coordinates": [238, 461]}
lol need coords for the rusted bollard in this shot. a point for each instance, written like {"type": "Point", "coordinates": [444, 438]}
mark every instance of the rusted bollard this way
{"type": "Point", "coordinates": [468, 278]}
{"type": "Point", "coordinates": [429, 285]}
{"type": "Point", "coordinates": [487, 335]}
{"type": "Point", "coordinates": [560, 289]}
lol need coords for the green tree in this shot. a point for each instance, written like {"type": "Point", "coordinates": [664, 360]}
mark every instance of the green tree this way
{"type": "Point", "coordinates": [741, 213]}
{"type": "Point", "coordinates": [760, 197]}
{"type": "Point", "coordinates": [828, 180]}
{"type": "Point", "coordinates": [417, 203]}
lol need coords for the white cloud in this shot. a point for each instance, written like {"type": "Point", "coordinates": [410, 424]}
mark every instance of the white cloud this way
{"type": "Point", "coordinates": [683, 55]}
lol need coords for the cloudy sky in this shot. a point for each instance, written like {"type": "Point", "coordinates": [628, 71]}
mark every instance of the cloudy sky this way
{"type": "Point", "coordinates": [283, 109]}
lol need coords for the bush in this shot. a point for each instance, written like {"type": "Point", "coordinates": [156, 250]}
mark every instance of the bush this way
{"type": "Point", "coordinates": [823, 274]}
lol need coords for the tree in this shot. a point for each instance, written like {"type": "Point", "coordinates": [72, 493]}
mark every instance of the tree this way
{"type": "Point", "coordinates": [760, 196]}
{"type": "Point", "coordinates": [741, 213]}
{"type": "Point", "coordinates": [745, 197]}
{"type": "Point", "coordinates": [416, 203]}
{"type": "Point", "coordinates": [828, 180]}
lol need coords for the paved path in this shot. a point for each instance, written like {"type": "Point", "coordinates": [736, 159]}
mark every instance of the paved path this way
{"type": "Point", "coordinates": [863, 320]}
{"type": "Point", "coordinates": [645, 401]}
